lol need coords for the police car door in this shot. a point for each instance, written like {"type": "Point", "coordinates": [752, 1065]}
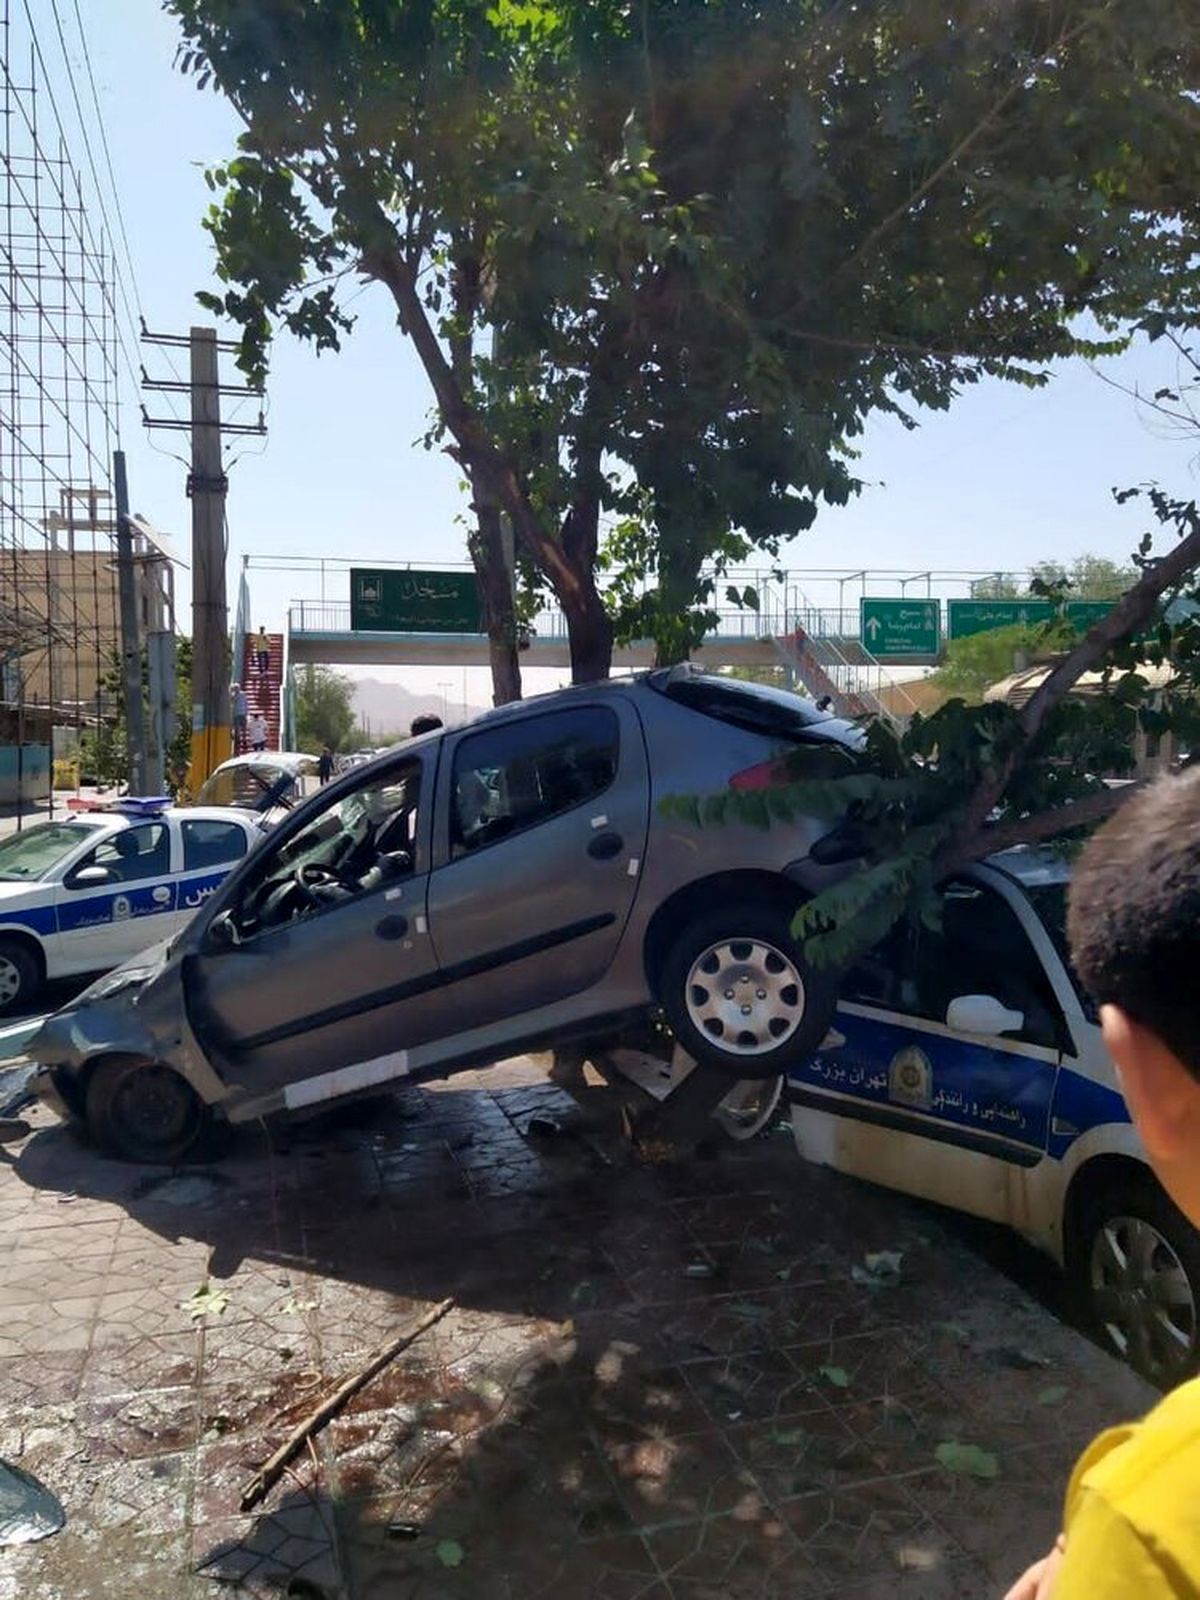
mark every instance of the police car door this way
{"type": "Point", "coordinates": [211, 847]}
{"type": "Point", "coordinates": [117, 899]}
{"type": "Point", "coordinates": [903, 1099]}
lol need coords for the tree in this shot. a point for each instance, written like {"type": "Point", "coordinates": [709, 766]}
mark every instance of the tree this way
{"type": "Point", "coordinates": [973, 664]}
{"type": "Point", "coordinates": [1088, 577]}
{"type": "Point", "coordinates": [711, 237]}
{"type": "Point", "coordinates": [324, 709]}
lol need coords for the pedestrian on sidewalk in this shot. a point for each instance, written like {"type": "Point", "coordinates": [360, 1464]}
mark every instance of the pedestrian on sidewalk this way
{"type": "Point", "coordinates": [262, 652]}
{"type": "Point", "coordinates": [1131, 1529]}
{"type": "Point", "coordinates": [237, 697]}
{"type": "Point", "coordinates": [256, 727]}
{"type": "Point", "coordinates": [325, 764]}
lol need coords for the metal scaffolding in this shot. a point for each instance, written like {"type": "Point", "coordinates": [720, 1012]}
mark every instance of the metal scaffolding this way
{"type": "Point", "coordinates": [60, 347]}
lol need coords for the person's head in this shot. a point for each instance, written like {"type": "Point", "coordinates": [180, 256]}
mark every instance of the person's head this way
{"type": "Point", "coordinates": [1134, 928]}
{"type": "Point", "coordinates": [235, 687]}
{"type": "Point", "coordinates": [425, 723]}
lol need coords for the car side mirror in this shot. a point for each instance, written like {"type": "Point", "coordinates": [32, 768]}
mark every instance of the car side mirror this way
{"type": "Point", "coordinates": [982, 1014]}
{"type": "Point", "coordinates": [91, 877]}
{"type": "Point", "coordinates": [222, 932]}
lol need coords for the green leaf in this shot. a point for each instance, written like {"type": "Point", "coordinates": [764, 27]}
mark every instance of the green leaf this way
{"type": "Point", "coordinates": [450, 1553]}
{"type": "Point", "coordinates": [967, 1460]}
{"type": "Point", "coordinates": [837, 1376]}
{"type": "Point", "coordinates": [205, 1302]}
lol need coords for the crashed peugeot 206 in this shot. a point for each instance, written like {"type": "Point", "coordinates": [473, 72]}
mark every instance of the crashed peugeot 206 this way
{"type": "Point", "coordinates": [508, 884]}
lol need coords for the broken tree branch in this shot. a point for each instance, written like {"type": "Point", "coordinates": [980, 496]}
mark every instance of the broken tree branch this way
{"type": "Point", "coordinates": [272, 1469]}
{"type": "Point", "coordinates": [1045, 825]}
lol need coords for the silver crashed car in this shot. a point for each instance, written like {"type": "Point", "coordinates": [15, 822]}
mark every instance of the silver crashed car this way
{"type": "Point", "coordinates": [484, 889]}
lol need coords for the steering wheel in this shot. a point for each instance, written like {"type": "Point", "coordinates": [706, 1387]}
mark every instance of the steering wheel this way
{"type": "Point", "coordinates": [311, 877]}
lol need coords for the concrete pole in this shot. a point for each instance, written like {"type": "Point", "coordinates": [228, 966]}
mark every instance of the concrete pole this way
{"type": "Point", "coordinates": [131, 642]}
{"type": "Point", "coordinates": [211, 741]}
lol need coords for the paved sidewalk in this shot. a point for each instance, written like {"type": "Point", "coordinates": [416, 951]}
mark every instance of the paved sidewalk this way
{"type": "Point", "coordinates": [669, 1383]}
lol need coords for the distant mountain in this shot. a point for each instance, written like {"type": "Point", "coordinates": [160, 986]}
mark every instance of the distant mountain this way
{"type": "Point", "coordinates": [388, 708]}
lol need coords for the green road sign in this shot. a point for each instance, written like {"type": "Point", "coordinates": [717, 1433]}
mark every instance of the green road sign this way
{"type": "Point", "coordinates": [893, 628]}
{"type": "Point", "coordinates": [386, 601]}
{"type": "Point", "coordinates": [966, 617]}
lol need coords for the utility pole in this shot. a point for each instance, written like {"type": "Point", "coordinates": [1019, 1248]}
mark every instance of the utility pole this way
{"type": "Point", "coordinates": [211, 741]}
{"type": "Point", "coordinates": [131, 642]}
{"type": "Point", "coordinates": [206, 487]}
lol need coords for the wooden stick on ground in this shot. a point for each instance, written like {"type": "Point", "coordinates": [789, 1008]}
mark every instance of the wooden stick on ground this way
{"type": "Point", "coordinates": [271, 1470]}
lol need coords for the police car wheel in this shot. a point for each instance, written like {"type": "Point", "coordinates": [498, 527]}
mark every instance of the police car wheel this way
{"type": "Point", "coordinates": [143, 1111]}
{"type": "Point", "coordinates": [739, 994]}
{"type": "Point", "coordinates": [1137, 1263]}
{"type": "Point", "coordinates": [20, 976]}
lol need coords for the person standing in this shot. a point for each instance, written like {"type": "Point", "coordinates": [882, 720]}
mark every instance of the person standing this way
{"type": "Point", "coordinates": [256, 727]}
{"type": "Point", "coordinates": [325, 764]}
{"type": "Point", "coordinates": [1131, 1529]}
{"type": "Point", "coordinates": [237, 696]}
{"type": "Point", "coordinates": [262, 652]}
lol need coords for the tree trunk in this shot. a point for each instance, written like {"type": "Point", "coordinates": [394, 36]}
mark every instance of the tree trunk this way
{"type": "Point", "coordinates": [495, 591]}
{"type": "Point", "coordinates": [591, 634]}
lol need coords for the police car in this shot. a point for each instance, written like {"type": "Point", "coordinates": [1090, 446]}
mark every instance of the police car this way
{"type": "Point", "coordinates": [85, 893]}
{"type": "Point", "coordinates": [966, 1066]}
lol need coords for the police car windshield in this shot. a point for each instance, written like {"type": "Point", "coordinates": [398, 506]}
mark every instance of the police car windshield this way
{"type": "Point", "coordinates": [30, 854]}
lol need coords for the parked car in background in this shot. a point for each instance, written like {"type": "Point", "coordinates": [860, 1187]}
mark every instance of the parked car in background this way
{"type": "Point", "coordinates": [268, 782]}
{"type": "Point", "coordinates": [487, 888]}
{"type": "Point", "coordinates": [966, 1065]}
{"type": "Point", "coordinates": [86, 893]}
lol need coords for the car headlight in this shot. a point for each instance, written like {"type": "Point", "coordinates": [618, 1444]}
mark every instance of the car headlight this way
{"type": "Point", "coordinates": [114, 982]}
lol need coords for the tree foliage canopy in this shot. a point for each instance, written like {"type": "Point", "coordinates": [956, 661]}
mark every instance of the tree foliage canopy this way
{"type": "Point", "coordinates": [324, 709]}
{"type": "Point", "coordinates": [711, 237]}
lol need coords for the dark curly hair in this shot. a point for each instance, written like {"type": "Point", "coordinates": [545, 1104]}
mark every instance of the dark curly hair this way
{"type": "Point", "coordinates": [1134, 913]}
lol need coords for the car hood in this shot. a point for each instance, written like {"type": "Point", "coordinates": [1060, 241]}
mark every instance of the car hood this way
{"type": "Point", "coordinates": [15, 896]}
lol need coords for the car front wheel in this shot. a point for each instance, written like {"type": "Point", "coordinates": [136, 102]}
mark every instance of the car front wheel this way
{"type": "Point", "coordinates": [1137, 1266]}
{"type": "Point", "coordinates": [143, 1111]}
{"type": "Point", "coordinates": [739, 994]}
{"type": "Point", "coordinates": [20, 977]}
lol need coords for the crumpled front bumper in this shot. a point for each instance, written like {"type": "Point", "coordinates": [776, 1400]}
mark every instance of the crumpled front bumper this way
{"type": "Point", "coordinates": [68, 1040]}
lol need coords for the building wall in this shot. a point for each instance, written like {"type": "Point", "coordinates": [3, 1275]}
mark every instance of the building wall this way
{"type": "Point", "coordinates": [71, 602]}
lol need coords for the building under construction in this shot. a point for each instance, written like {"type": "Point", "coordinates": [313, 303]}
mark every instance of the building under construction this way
{"type": "Point", "coordinates": [60, 348]}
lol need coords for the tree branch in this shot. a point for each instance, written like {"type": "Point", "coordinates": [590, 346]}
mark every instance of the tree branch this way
{"type": "Point", "coordinates": [1135, 607]}
{"type": "Point", "coordinates": [1043, 825]}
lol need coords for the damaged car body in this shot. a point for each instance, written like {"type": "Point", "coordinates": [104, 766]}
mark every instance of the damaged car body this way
{"type": "Point", "coordinates": [483, 890]}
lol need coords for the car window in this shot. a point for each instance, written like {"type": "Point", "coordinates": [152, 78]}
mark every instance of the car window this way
{"type": "Point", "coordinates": [208, 842]}
{"type": "Point", "coordinates": [512, 777]}
{"type": "Point", "coordinates": [249, 785]}
{"type": "Point", "coordinates": [1049, 900]}
{"type": "Point", "coordinates": [356, 844]}
{"type": "Point", "coordinates": [31, 853]}
{"type": "Point", "coordinates": [980, 948]}
{"type": "Point", "coordinates": [759, 708]}
{"type": "Point", "coordinates": [132, 855]}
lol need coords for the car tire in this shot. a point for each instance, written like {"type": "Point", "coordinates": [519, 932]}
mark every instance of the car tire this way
{"type": "Point", "coordinates": [20, 975]}
{"type": "Point", "coordinates": [747, 950]}
{"type": "Point", "coordinates": [1135, 1266]}
{"type": "Point", "coordinates": [144, 1111]}
{"type": "Point", "coordinates": [748, 1108]}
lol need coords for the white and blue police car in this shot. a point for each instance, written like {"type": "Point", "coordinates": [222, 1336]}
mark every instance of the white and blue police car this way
{"type": "Point", "coordinates": [85, 893]}
{"type": "Point", "coordinates": [966, 1066]}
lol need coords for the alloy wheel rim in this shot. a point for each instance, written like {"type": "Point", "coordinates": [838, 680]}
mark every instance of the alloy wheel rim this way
{"type": "Point", "coordinates": [10, 981]}
{"type": "Point", "coordinates": [745, 996]}
{"type": "Point", "coordinates": [1143, 1298]}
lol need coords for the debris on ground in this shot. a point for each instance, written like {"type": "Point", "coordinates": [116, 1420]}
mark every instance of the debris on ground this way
{"type": "Point", "coordinates": [28, 1511]}
{"type": "Point", "coordinates": [271, 1470]}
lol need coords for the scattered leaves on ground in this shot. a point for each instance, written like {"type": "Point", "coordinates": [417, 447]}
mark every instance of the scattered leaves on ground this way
{"type": "Point", "coordinates": [837, 1376]}
{"type": "Point", "coordinates": [880, 1269]}
{"type": "Point", "coordinates": [967, 1459]}
{"type": "Point", "coordinates": [205, 1302]}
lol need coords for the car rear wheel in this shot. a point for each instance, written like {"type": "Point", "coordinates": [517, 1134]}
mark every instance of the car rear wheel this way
{"type": "Point", "coordinates": [143, 1111]}
{"type": "Point", "coordinates": [20, 975]}
{"type": "Point", "coordinates": [1137, 1267]}
{"type": "Point", "coordinates": [740, 996]}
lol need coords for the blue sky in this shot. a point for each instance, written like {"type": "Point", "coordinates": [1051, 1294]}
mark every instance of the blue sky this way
{"type": "Point", "coordinates": [1006, 478]}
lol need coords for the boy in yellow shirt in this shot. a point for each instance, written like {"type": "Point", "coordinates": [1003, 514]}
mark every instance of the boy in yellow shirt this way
{"type": "Point", "coordinates": [1132, 1522]}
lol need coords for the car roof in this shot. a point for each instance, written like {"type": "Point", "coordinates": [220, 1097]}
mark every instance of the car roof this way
{"type": "Point", "coordinates": [285, 760]}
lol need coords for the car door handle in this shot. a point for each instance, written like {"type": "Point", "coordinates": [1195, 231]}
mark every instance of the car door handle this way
{"type": "Point", "coordinates": [391, 928]}
{"type": "Point", "coordinates": [606, 845]}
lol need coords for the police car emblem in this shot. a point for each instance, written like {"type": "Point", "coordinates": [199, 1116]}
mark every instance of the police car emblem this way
{"type": "Point", "coordinates": [910, 1079]}
{"type": "Point", "coordinates": [120, 907]}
